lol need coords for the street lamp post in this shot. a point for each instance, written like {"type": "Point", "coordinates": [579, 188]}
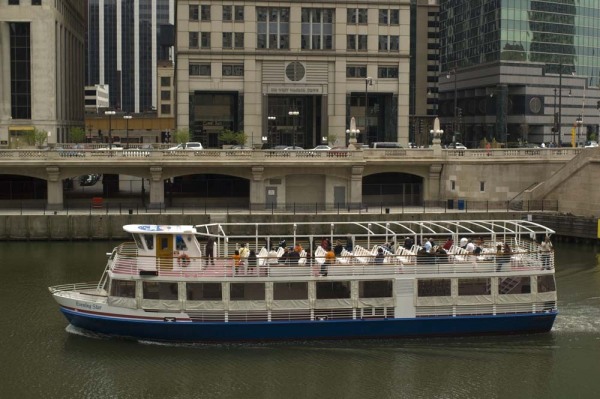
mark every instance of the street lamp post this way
{"type": "Point", "coordinates": [294, 114]}
{"type": "Point", "coordinates": [110, 114]}
{"type": "Point", "coordinates": [127, 118]}
{"type": "Point", "coordinates": [271, 119]}
{"type": "Point", "coordinates": [368, 82]}
{"type": "Point", "coordinates": [453, 72]}
{"type": "Point", "coordinates": [579, 122]}
{"type": "Point", "coordinates": [559, 128]}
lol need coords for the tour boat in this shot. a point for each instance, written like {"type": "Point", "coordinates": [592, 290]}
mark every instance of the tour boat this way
{"type": "Point", "coordinates": [375, 280]}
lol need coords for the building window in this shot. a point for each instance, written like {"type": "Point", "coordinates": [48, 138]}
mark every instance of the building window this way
{"type": "Point", "coordinates": [317, 29]}
{"type": "Point", "coordinates": [165, 81]}
{"type": "Point", "coordinates": [165, 94]}
{"type": "Point", "coordinates": [205, 13]}
{"type": "Point", "coordinates": [356, 71]}
{"type": "Point", "coordinates": [239, 40]}
{"type": "Point", "coordinates": [193, 39]}
{"type": "Point", "coordinates": [227, 13]}
{"type": "Point", "coordinates": [356, 42]}
{"type": "Point", "coordinates": [13, 2]}
{"type": "Point", "coordinates": [358, 16]}
{"type": "Point", "coordinates": [389, 17]}
{"type": "Point", "coordinates": [239, 13]}
{"type": "Point", "coordinates": [387, 72]}
{"type": "Point", "coordinates": [482, 186]}
{"type": "Point", "coordinates": [233, 70]}
{"type": "Point", "coordinates": [20, 70]}
{"type": "Point", "coordinates": [199, 69]}
{"type": "Point", "coordinates": [194, 13]}
{"type": "Point", "coordinates": [165, 109]}
{"type": "Point", "coordinates": [36, 2]}
{"type": "Point", "coordinates": [452, 185]}
{"type": "Point", "coordinates": [205, 39]}
{"type": "Point", "coordinates": [227, 40]}
{"type": "Point", "coordinates": [389, 43]}
{"type": "Point", "coordinates": [273, 28]}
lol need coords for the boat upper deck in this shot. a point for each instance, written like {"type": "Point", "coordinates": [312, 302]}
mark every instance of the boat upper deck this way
{"type": "Point", "coordinates": [362, 249]}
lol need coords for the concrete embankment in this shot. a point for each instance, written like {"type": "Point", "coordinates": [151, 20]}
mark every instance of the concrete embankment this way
{"type": "Point", "coordinates": [110, 227]}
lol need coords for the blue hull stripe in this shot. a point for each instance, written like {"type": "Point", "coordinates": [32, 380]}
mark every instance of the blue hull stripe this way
{"type": "Point", "coordinates": [303, 329]}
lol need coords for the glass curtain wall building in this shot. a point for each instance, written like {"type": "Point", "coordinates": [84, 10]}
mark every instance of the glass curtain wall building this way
{"type": "Point", "coordinates": [123, 50]}
{"type": "Point", "coordinates": [516, 71]}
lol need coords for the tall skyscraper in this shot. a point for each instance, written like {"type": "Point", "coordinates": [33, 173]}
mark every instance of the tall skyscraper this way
{"type": "Point", "coordinates": [518, 71]}
{"type": "Point", "coordinates": [123, 49]}
{"type": "Point", "coordinates": [41, 69]}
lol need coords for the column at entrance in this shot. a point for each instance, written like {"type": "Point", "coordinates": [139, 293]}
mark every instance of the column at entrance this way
{"type": "Point", "coordinates": [356, 178]}
{"type": "Point", "coordinates": [257, 186]}
{"type": "Point", "coordinates": [432, 184]}
{"type": "Point", "coordinates": [157, 188]}
{"type": "Point", "coordinates": [55, 188]}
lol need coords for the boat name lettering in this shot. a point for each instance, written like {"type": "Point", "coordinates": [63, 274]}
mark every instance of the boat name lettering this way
{"type": "Point", "coordinates": [150, 228]}
{"type": "Point", "coordinates": [90, 306]}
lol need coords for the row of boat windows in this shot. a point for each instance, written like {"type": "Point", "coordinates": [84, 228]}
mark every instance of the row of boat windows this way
{"type": "Point", "coordinates": [483, 286]}
{"type": "Point", "coordinates": [327, 289]}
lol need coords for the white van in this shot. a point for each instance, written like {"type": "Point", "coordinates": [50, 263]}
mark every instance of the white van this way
{"type": "Point", "coordinates": [385, 144]}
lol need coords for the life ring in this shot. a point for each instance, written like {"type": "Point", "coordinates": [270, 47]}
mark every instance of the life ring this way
{"type": "Point", "coordinates": [183, 260]}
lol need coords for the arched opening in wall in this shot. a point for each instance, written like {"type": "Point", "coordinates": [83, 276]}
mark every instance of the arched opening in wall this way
{"type": "Point", "coordinates": [18, 188]}
{"type": "Point", "coordinates": [392, 189]}
{"type": "Point", "coordinates": [210, 189]}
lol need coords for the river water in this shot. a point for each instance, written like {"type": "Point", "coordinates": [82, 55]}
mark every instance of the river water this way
{"type": "Point", "coordinates": [43, 358]}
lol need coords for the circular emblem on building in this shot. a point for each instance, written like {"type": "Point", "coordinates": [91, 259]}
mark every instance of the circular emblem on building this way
{"type": "Point", "coordinates": [295, 71]}
{"type": "Point", "coordinates": [535, 105]}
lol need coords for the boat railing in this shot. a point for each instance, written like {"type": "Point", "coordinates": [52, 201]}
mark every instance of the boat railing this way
{"type": "Point", "coordinates": [129, 264]}
{"type": "Point", "coordinates": [90, 288]}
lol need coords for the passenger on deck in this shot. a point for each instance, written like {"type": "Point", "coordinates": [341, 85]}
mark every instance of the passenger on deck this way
{"type": "Point", "coordinates": [448, 244]}
{"type": "Point", "coordinates": [284, 259]}
{"type": "Point", "coordinates": [470, 247]}
{"type": "Point", "coordinates": [293, 257]}
{"type": "Point", "coordinates": [252, 260]}
{"type": "Point", "coordinates": [272, 256]}
{"type": "Point", "coordinates": [209, 249]}
{"type": "Point", "coordinates": [463, 243]}
{"type": "Point", "coordinates": [349, 243]}
{"type": "Point", "coordinates": [244, 252]}
{"type": "Point", "coordinates": [427, 245]}
{"type": "Point", "coordinates": [236, 260]}
{"type": "Point", "coordinates": [298, 248]}
{"type": "Point", "coordinates": [337, 250]}
{"type": "Point", "coordinates": [503, 254]}
{"type": "Point", "coordinates": [329, 260]}
{"type": "Point", "coordinates": [379, 257]}
{"type": "Point", "coordinates": [309, 257]}
{"type": "Point", "coordinates": [546, 248]}
{"type": "Point", "coordinates": [282, 243]}
{"type": "Point", "coordinates": [408, 243]}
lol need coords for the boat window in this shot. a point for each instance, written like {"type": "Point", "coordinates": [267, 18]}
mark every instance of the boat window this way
{"type": "Point", "coordinates": [287, 291]}
{"type": "Point", "coordinates": [333, 289]}
{"type": "Point", "coordinates": [204, 292]}
{"type": "Point", "coordinates": [138, 241]}
{"type": "Point", "coordinates": [149, 238]}
{"type": "Point", "coordinates": [514, 285]}
{"type": "Point", "coordinates": [474, 286]}
{"type": "Point", "coordinates": [158, 290]}
{"type": "Point", "coordinates": [546, 284]}
{"type": "Point", "coordinates": [434, 287]}
{"type": "Point", "coordinates": [123, 289]}
{"type": "Point", "coordinates": [375, 289]}
{"type": "Point", "coordinates": [180, 243]}
{"type": "Point", "coordinates": [247, 291]}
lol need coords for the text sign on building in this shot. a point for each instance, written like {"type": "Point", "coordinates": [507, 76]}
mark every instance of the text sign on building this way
{"type": "Point", "coordinates": [295, 90]}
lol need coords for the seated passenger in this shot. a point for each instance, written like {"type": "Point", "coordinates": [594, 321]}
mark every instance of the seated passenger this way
{"type": "Point", "coordinates": [379, 257]}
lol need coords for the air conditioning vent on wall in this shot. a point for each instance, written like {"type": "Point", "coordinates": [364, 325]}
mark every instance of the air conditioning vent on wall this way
{"type": "Point", "coordinates": [295, 71]}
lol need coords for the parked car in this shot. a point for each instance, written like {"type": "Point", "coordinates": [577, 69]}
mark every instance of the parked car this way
{"type": "Point", "coordinates": [89, 180]}
{"type": "Point", "coordinates": [591, 144]}
{"type": "Point", "coordinates": [457, 146]}
{"type": "Point", "coordinates": [112, 147]}
{"type": "Point", "coordinates": [241, 147]}
{"type": "Point", "coordinates": [385, 144]}
{"type": "Point", "coordinates": [189, 146]}
{"type": "Point", "coordinates": [293, 148]}
{"type": "Point", "coordinates": [322, 147]}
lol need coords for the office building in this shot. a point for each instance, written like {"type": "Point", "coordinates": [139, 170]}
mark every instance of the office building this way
{"type": "Point", "coordinates": [123, 49]}
{"type": "Point", "coordinates": [516, 71]}
{"type": "Point", "coordinates": [293, 73]}
{"type": "Point", "coordinates": [41, 69]}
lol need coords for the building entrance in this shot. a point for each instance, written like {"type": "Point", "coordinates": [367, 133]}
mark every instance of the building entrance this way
{"type": "Point", "coordinates": [293, 121]}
